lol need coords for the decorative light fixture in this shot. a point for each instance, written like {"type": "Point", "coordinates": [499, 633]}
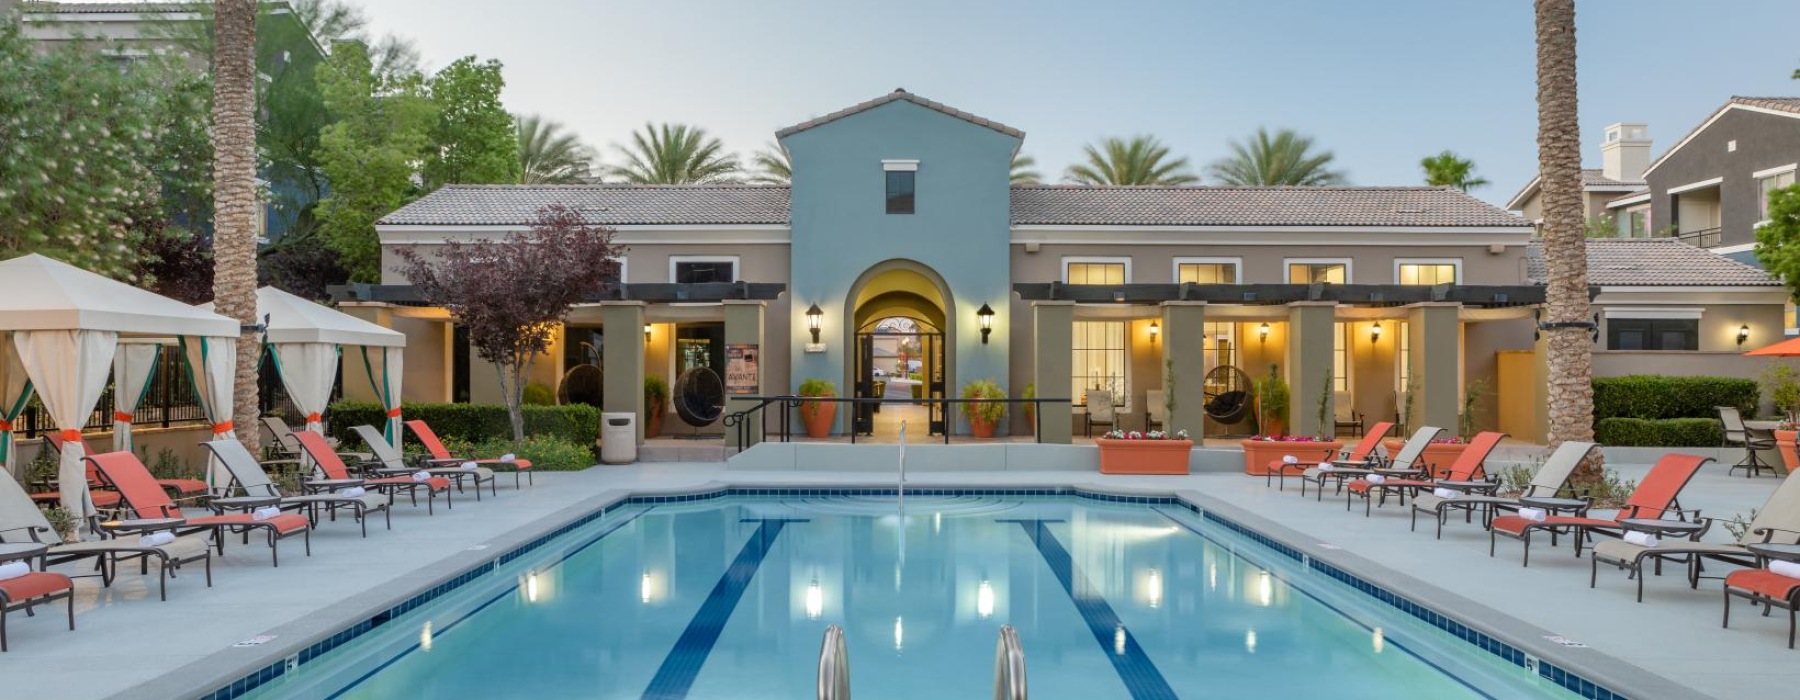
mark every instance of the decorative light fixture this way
{"type": "Point", "coordinates": [815, 317]}
{"type": "Point", "coordinates": [986, 314]}
{"type": "Point", "coordinates": [1262, 332]}
{"type": "Point", "coordinates": [1375, 334]}
{"type": "Point", "coordinates": [1155, 330]}
{"type": "Point", "coordinates": [1743, 334]}
{"type": "Point", "coordinates": [646, 332]}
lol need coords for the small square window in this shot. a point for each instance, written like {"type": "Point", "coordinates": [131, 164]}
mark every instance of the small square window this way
{"type": "Point", "coordinates": [900, 191]}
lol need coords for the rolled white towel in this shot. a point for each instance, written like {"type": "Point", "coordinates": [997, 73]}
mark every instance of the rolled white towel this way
{"type": "Point", "coordinates": [352, 492]}
{"type": "Point", "coordinates": [265, 513]}
{"type": "Point", "coordinates": [156, 539]}
{"type": "Point", "coordinates": [1327, 467]}
{"type": "Point", "coordinates": [1641, 539]}
{"type": "Point", "coordinates": [1446, 493]}
{"type": "Point", "coordinates": [1290, 459]}
{"type": "Point", "coordinates": [1375, 479]}
{"type": "Point", "coordinates": [1785, 568]}
{"type": "Point", "coordinates": [421, 476]}
{"type": "Point", "coordinates": [1534, 514]}
{"type": "Point", "coordinates": [14, 569]}
{"type": "Point", "coordinates": [508, 457]}
{"type": "Point", "coordinates": [466, 465]}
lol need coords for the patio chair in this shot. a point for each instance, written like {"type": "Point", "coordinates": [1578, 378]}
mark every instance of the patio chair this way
{"type": "Point", "coordinates": [1156, 409]}
{"type": "Point", "coordinates": [22, 521]}
{"type": "Point", "coordinates": [1469, 466]}
{"type": "Point", "coordinates": [1409, 458]}
{"type": "Point", "coordinates": [249, 477]}
{"type": "Point", "coordinates": [31, 590]}
{"type": "Point", "coordinates": [289, 447]}
{"type": "Point", "coordinates": [1766, 588]}
{"type": "Point", "coordinates": [179, 489]}
{"type": "Point", "coordinates": [392, 460]}
{"type": "Point", "coordinates": [1547, 482]}
{"type": "Point", "coordinates": [438, 456]}
{"type": "Point", "coordinates": [1737, 434]}
{"type": "Point", "coordinates": [145, 500]}
{"type": "Point", "coordinates": [335, 472]}
{"type": "Point", "coordinates": [1100, 410]}
{"type": "Point", "coordinates": [1344, 415]}
{"type": "Point", "coordinates": [1349, 461]}
{"type": "Point", "coordinates": [1654, 497]}
{"type": "Point", "coordinates": [1777, 521]}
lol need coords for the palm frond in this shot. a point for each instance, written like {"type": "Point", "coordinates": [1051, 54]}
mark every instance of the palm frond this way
{"type": "Point", "coordinates": [1446, 169]}
{"type": "Point", "coordinates": [1284, 158]}
{"type": "Point", "coordinates": [1023, 172]}
{"type": "Point", "coordinates": [549, 154]}
{"type": "Point", "coordinates": [1140, 160]}
{"type": "Point", "coordinates": [674, 154]}
{"type": "Point", "coordinates": [772, 166]}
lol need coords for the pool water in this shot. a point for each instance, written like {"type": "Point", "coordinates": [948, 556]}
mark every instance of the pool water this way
{"type": "Point", "coordinates": [729, 598]}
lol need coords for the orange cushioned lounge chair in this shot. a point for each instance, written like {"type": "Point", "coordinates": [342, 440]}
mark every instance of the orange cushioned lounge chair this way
{"type": "Point", "coordinates": [1349, 461]}
{"type": "Point", "coordinates": [1469, 466]}
{"type": "Point", "coordinates": [1654, 498]}
{"type": "Point", "coordinates": [441, 456]}
{"type": "Point", "coordinates": [1767, 588]}
{"type": "Point", "coordinates": [398, 480]}
{"type": "Point", "coordinates": [147, 501]}
{"type": "Point", "coordinates": [178, 488]}
{"type": "Point", "coordinates": [31, 590]}
{"type": "Point", "coordinates": [388, 459]}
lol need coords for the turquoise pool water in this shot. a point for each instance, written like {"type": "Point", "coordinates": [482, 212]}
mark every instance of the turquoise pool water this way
{"type": "Point", "coordinates": [728, 598]}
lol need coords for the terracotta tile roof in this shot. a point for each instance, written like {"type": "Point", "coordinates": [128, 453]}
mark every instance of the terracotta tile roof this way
{"type": "Point", "coordinates": [1254, 206]}
{"type": "Point", "coordinates": [1592, 179]}
{"type": "Point", "coordinates": [1595, 177]}
{"type": "Point", "coordinates": [81, 8]}
{"type": "Point", "coordinates": [615, 205]}
{"type": "Point", "coordinates": [1780, 104]}
{"type": "Point", "coordinates": [1654, 262]}
{"type": "Point", "coordinates": [901, 94]}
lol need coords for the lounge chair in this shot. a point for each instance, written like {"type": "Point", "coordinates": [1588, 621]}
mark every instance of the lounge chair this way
{"type": "Point", "coordinates": [1409, 461]}
{"type": "Point", "coordinates": [1777, 521]}
{"type": "Point", "coordinates": [145, 500]}
{"type": "Point", "coordinates": [249, 477]}
{"type": "Point", "coordinates": [1470, 466]}
{"type": "Point", "coordinates": [1767, 588]}
{"type": "Point", "coordinates": [31, 590]}
{"type": "Point", "coordinates": [289, 447]}
{"type": "Point", "coordinates": [1343, 413]}
{"type": "Point", "coordinates": [1654, 497]}
{"type": "Point", "coordinates": [1547, 482]}
{"type": "Point", "coordinates": [177, 488]}
{"type": "Point", "coordinates": [336, 473]}
{"type": "Point", "coordinates": [1354, 460]}
{"type": "Point", "coordinates": [391, 460]}
{"type": "Point", "coordinates": [440, 456]}
{"type": "Point", "coordinates": [22, 521]}
{"type": "Point", "coordinates": [1156, 409]}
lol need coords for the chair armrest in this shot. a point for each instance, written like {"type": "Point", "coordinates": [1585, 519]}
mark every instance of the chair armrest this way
{"type": "Point", "coordinates": [31, 530]}
{"type": "Point", "coordinates": [1769, 532]}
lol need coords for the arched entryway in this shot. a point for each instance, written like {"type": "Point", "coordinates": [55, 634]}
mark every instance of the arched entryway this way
{"type": "Point", "coordinates": [897, 334]}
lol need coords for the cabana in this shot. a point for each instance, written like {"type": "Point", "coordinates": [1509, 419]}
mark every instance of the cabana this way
{"type": "Point", "coordinates": [62, 327]}
{"type": "Point", "coordinates": [305, 341]}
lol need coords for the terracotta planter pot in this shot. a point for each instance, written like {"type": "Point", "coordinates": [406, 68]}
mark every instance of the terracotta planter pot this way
{"type": "Point", "coordinates": [1273, 426]}
{"type": "Point", "coordinates": [1144, 456]}
{"type": "Point", "coordinates": [1438, 455]}
{"type": "Point", "coordinates": [981, 428]}
{"type": "Point", "coordinates": [1258, 454]}
{"type": "Point", "coordinates": [1784, 443]}
{"type": "Point", "coordinates": [653, 423]}
{"type": "Point", "coordinates": [817, 416]}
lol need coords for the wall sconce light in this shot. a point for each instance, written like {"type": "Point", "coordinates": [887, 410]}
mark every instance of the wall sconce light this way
{"type": "Point", "coordinates": [815, 317]}
{"type": "Point", "coordinates": [1155, 330]}
{"type": "Point", "coordinates": [646, 332]}
{"type": "Point", "coordinates": [1375, 334]}
{"type": "Point", "coordinates": [1743, 334]}
{"type": "Point", "coordinates": [986, 314]}
{"type": "Point", "coordinates": [1262, 332]}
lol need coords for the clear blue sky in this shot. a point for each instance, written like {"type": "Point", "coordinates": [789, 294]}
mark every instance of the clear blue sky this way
{"type": "Point", "coordinates": [1381, 83]}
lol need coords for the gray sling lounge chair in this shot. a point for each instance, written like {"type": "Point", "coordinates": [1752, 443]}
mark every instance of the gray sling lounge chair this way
{"type": "Point", "coordinates": [22, 521]}
{"type": "Point", "coordinates": [1777, 521]}
{"type": "Point", "coordinates": [388, 459]}
{"type": "Point", "coordinates": [249, 477]}
{"type": "Point", "coordinates": [1547, 482]}
{"type": "Point", "coordinates": [290, 447]}
{"type": "Point", "coordinates": [1408, 459]}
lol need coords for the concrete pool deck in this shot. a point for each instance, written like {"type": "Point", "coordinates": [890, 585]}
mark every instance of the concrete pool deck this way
{"type": "Point", "coordinates": [157, 649]}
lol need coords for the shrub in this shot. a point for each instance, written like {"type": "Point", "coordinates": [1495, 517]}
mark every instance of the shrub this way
{"type": "Point", "coordinates": [1665, 432]}
{"type": "Point", "coordinates": [818, 387]}
{"type": "Point", "coordinates": [474, 422]}
{"type": "Point", "coordinates": [983, 411]}
{"type": "Point", "coordinates": [538, 395]}
{"type": "Point", "coordinates": [545, 452]}
{"type": "Point", "coordinates": [1782, 384]}
{"type": "Point", "coordinates": [656, 391]}
{"type": "Point", "coordinates": [1660, 396]}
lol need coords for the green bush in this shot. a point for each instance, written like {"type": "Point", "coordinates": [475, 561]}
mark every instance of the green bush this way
{"type": "Point", "coordinates": [1660, 396]}
{"type": "Point", "coordinates": [538, 395]}
{"type": "Point", "coordinates": [544, 452]}
{"type": "Point", "coordinates": [474, 422]}
{"type": "Point", "coordinates": [1664, 432]}
{"type": "Point", "coordinates": [818, 387]}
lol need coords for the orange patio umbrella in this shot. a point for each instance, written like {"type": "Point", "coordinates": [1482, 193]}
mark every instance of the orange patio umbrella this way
{"type": "Point", "coordinates": [1785, 348]}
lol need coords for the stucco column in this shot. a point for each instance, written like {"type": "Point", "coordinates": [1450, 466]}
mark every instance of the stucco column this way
{"type": "Point", "coordinates": [1184, 365]}
{"type": "Point", "coordinates": [623, 341]}
{"type": "Point", "coordinates": [1436, 351]}
{"type": "Point", "coordinates": [1053, 366]}
{"type": "Point", "coordinates": [744, 326]}
{"type": "Point", "coordinates": [1312, 329]}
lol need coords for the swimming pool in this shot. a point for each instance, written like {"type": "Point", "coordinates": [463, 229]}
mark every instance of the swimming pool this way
{"type": "Point", "coordinates": [728, 598]}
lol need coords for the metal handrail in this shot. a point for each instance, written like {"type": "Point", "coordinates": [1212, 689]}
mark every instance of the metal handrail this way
{"type": "Point", "coordinates": [1009, 666]}
{"type": "Point", "coordinates": [785, 405]}
{"type": "Point", "coordinates": [834, 666]}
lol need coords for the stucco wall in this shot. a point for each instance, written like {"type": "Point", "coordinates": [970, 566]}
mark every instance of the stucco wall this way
{"type": "Point", "coordinates": [1763, 141]}
{"type": "Point", "coordinates": [1151, 264]}
{"type": "Point", "coordinates": [1719, 324]}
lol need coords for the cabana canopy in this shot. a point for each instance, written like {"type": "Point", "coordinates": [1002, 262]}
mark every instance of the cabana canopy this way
{"type": "Point", "coordinates": [293, 319]}
{"type": "Point", "coordinates": [39, 293]}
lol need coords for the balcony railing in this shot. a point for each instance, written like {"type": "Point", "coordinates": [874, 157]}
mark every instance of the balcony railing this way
{"type": "Point", "coordinates": [1703, 238]}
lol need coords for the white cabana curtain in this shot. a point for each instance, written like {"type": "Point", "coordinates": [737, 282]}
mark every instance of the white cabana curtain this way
{"type": "Point", "coordinates": [69, 370]}
{"type": "Point", "coordinates": [308, 370]}
{"type": "Point", "coordinates": [212, 363]}
{"type": "Point", "coordinates": [385, 376]}
{"type": "Point", "coordinates": [133, 367]}
{"type": "Point", "coordinates": [15, 392]}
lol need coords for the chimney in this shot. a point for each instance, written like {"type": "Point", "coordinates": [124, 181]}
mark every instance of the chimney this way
{"type": "Point", "coordinates": [1626, 152]}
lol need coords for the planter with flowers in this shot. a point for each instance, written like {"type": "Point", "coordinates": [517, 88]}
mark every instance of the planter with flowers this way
{"type": "Point", "coordinates": [1440, 454]}
{"type": "Point", "coordinates": [1135, 452]}
{"type": "Point", "coordinates": [1262, 450]}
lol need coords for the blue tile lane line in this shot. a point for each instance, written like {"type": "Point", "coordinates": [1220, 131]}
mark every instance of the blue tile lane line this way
{"type": "Point", "coordinates": [1140, 675]}
{"type": "Point", "coordinates": [676, 676]}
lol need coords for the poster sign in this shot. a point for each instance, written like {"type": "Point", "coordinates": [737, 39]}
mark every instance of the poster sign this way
{"type": "Point", "coordinates": [741, 378]}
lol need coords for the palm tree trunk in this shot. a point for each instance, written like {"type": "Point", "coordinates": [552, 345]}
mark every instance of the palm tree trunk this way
{"type": "Point", "coordinates": [1568, 323]}
{"type": "Point", "coordinates": [234, 195]}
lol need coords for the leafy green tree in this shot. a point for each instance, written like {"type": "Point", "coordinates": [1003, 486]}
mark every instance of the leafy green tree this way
{"type": "Point", "coordinates": [369, 154]}
{"type": "Point", "coordinates": [1023, 172]}
{"type": "Point", "coordinates": [1284, 158]}
{"type": "Point", "coordinates": [474, 141]}
{"type": "Point", "coordinates": [1446, 169]}
{"type": "Point", "coordinates": [674, 154]}
{"type": "Point", "coordinates": [773, 167]}
{"type": "Point", "coordinates": [1778, 241]}
{"type": "Point", "coordinates": [550, 154]}
{"type": "Point", "coordinates": [1140, 160]}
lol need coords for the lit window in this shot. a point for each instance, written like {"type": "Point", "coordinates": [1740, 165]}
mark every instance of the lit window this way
{"type": "Point", "coordinates": [1316, 273]}
{"type": "Point", "coordinates": [1402, 358]}
{"type": "Point", "coordinates": [1767, 185]}
{"type": "Point", "coordinates": [1100, 360]}
{"type": "Point", "coordinates": [1340, 358]}
{"type": "Point", "coordinates": [1220, 344]}
{"type": "Point", "coordinates": [1207, 273]}
{"type": "Point", "coordinates": [900, 191]}
{"type": "Point", "coordinates": [699, 271]}
{"type": "Point", "coordinates": [1427, 273]}
{"type": "Point", "coordinates": [1096, 273]}
{"type": "Point", "coordinates": [1791, 317]}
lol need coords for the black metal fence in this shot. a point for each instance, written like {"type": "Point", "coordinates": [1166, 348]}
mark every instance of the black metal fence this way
{"type": "Point", "coordinates": [171, 401]}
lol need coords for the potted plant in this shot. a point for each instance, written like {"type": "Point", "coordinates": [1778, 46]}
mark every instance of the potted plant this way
{"type": "Point", "coordinates": [1262, 453]}
{"type": "Point", "coordinates": [1441, 452]}
{"type": "Point", "coordinates": [1135, 452]}
{"type": "Point", "coordinates": [1272, 402]}
{"type": "Point", "coordinates": [656, 404]}
{"type": "Point", "coordinates": [1327, 425]}
{"type": "Point", "coordinates": [1782, 384]}
{"type": "Point", "coordinates": [983, 415]}
{"type": "Point", "coordinates": [817, 416]}
{"type": "Point", "coordinates": [1030, 408]}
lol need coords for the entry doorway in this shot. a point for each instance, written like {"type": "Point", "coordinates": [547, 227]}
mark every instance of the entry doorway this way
{"type": "Point", "coordinates": [899, 359]}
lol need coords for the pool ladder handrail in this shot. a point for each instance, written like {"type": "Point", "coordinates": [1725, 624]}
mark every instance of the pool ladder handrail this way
{"type": "Point", "coordinates": [1009, 666]}
{"type": "Point", "coordinates": [834, 666]}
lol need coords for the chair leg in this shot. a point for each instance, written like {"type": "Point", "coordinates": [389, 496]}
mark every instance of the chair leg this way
{"type": "Point", "coordinates": [1726, 621]}
{"type": "Point", "coordinates": [70, 595]}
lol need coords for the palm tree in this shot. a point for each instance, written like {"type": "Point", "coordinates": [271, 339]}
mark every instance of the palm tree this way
{"type": "Point", "coordinates": [674, 154]}
{"type": "Point", "coordinates": [550, 155]}
{"type": "Point", "coordinates": [1566, 320]}
{"type": "Point", "coordinates": [773, 167]}
{"type": "Point", "coordinates": [1022, 172]}
{"type": "Point", "coordinates": [1137, 161]}
{"type": "Point", "coordinates": [234, 194]}
{"type": "Point", "coordinates": [1287, 158]}
{"type": "Point", "coordinates": [1447, 170]}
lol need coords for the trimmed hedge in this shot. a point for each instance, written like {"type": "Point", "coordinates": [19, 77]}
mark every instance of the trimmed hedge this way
{"type": "Point", "coordinates": [1665, 432]}
{"type": "Point", "coordinates": [474, 422]}
{"type": "Point", "coordinates": [1658, 396]}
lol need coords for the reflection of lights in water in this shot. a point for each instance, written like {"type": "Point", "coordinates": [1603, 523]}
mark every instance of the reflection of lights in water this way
{"type": "Point", "coordinates": [531, 587]}
{"type": "Point", "coordinates": [646, 588]}
{"type": "Point", "coordinates": [1265, 586]}
{"type": "Point", "coordinates": [1212, 576]}
{"type": "Point", "coordinates": [899, 634]}
{"type": "Point", "coordinates": [1379, 640]}
{"type": "Point", "coordinates": [1119, 640]}
{"type": "Point", "coordinates": [937, 523]}
{"type": "Point", "coordinates": [815, 600]}
{"type": "Point", "coordinates": [1250, 641]}
{"type": "Point", "coordinates": [425, 636]}
{"type": "Point", "coordinates": [984, 600]}
{"type": "Point", "coordinates": [1156, 588]}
